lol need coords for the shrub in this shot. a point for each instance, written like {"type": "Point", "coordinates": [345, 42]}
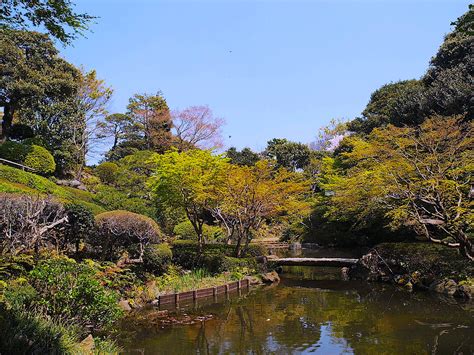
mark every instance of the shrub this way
{"type": "Point", "coordinates": [69, 291]}
{"type": "Point", "coordinates": [41, 160]}
{"type": "Point", "coordinates": [80, 223]}
{"type": "Point", "coordinates": [116, 200]}
{"type": "Point", "coordinates": [118, 230]}
{"type": "Point", "coordinates": [157, 258]}
{"type": "Point", "coordinates": [20, 132]}
{"type": "Point", "coordinates": [185, 230]}
{"type": "Point", "coordinates": [35, 141]}
{"type": "Point", "coordinates": [14, 151]}
{"type": "Point", "coordinates": [107, 172]}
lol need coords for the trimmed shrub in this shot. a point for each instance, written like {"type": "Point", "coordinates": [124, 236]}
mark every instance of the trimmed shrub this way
{"type": "Point", "coordinates": [14, 151]}
{"type": "Point", "coordinates": [41, 160]}
{"type": "Point", "coordinates": [119, 230]}
{"type": "Point", "coordinates": [157, 258]}
{"type": "Point", "coordinates": [20, 131]}
{"type": "Point", "coordinates": [185, 230]}
{"type": "Point", "coordinates": [107, 172]}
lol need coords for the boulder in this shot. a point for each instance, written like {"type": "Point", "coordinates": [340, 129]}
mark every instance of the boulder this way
{"type": "Point", "coordinates": [445, 286]}
{"type": "Point", "coordinates": [87, 345]}
{"type": "Point", "coordinates": [270, 277]}
{"type": "Point", "coordinates": [125, 305]}
{"type": "Point", "coordinates": [465, 291]}
{"type": "Point", "coordinates": [253, 280]}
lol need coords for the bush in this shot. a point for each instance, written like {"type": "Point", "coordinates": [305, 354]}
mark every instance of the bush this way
{"type": "Point", "coordinates": [80, 223]}
{"type": "Point", "coordinates": [14, 151]}
{"type": "Point", "coordinates": [157, 258]}
{"type": "Point", "coordinates": [116, 200]}
{"type": "Point", "coordinates": [35, 141]}
{"type": "Point", "coordinates": [107, 172]}
{"type": "Point", "coordinates": [41, 160]}
{"type": "Point", "coordinates": [20, 132]}
{"type": "Point", "coordinates": [215, 258]}
{"type": "Point", "coordinates": [119, 230]}
{"type": "Point", "coordinates": [185, 230]}
{"type": "Point", "coordinates": [71, 292]}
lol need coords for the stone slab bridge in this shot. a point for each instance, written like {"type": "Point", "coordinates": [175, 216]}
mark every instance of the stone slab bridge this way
{"type": "Point", "coordinates": [337, 262]}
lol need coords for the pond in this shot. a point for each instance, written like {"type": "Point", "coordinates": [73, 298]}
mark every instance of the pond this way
{"type": "Point", "coordinates": [312, 311]}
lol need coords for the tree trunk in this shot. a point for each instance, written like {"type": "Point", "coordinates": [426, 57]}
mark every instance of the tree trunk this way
{"type": "Point", "coordinates": [6, 121]}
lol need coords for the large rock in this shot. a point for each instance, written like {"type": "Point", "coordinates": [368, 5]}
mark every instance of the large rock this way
{"type": "Point", "coordinates": [465, 291]}
{"type": "Point", "coordinates": [253, 280]}
{"type": "Point", "coordinates": [87, 345]}
{"type": "Point", "coordinates": [446, 287]}
{"type": "Point", "coordinates": [270, 277]}
{"type": "Point", "coordinates": [125, 305]}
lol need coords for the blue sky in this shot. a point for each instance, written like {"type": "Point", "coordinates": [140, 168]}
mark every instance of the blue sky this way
{"type": "Point", "coordinates": [270, 68]}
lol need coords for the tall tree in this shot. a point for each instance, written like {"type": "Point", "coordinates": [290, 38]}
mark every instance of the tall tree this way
{"type": "Point", "coordinates": [57, 16]}
{"type": "Point", "coordinates": [197, 127]}
{"type": "Point", "coordinates": [188, 181]}
{"type": "Point", "coordinates": [290, 155]}
{"type": "Point", "coordinates": [245, 157]}
{"type": "Point", "coordinates": [420, 177]}
{"type": "Point", "coordinates": [152, 116]}
{"type": "Point", "coordinates": [31, 72]}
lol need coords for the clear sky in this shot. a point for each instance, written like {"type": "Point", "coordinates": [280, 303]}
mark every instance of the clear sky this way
{"type": "Point", "coordinates": [270, 68]}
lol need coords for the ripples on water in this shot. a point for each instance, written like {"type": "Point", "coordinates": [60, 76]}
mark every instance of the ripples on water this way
{"type": "Point", "coordinates": [311, 311]}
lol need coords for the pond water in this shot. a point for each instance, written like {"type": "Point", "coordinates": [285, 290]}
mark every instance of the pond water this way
{"type": "Point", "coordinates": [312, 311]}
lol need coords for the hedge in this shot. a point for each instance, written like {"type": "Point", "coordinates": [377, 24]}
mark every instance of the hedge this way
{"type": "Point", "coordinates": [41, 160]}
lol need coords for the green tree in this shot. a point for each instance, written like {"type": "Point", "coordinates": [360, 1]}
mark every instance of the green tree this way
{"type": "Point", "coordinates": [188, 181]}
{"type": "Point", "coordinates": [290, 155]}
{"type": "Point", "coordinates": [245, 157]}
{"type": "Point", "coordinates": [32, 73]}
{"type": "Point", "coordinates": [57, 16]}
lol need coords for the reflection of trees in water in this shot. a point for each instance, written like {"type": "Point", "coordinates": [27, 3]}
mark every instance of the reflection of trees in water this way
{"type": "Point", "coordinates": [372, 319]}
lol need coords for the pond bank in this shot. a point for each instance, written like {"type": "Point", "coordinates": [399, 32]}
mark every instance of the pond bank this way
{"type": "Point", "coordinates": [423, 266]}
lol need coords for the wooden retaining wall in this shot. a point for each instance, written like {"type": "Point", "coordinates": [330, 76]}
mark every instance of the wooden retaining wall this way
{"type": "Point", "coordinates": [176, 298]}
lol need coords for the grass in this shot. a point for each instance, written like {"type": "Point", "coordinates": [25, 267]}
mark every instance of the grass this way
{"type": "Point", "coordinates": [14, 180]}
{"type": "Point", "coordinates": [173, 281]}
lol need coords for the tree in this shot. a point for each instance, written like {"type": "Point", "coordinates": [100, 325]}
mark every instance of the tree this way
{"type": "Point", "coordinates": [245, 157]}
{"type": "Point", "coordinates": [188, 181]}
{"type": "Point", "coordinates": [330, 136]}
{"type": "Point", "coordinates": [290, 155]}
{"type": "Point", "coordinates": [151, 117]}
{"type": "Point", "coordinates": [28, 223]}
{"type": "Point", "coordinates": [253, 194]}
{"type": "Point", "coordinates": [197, 127]}
{"type": "Point", "coordinates": [419, 177]}
{"type": "Point", "coordinates": [58, 17]}
{"type": "Point", "coordinates": [117, 126]}
{"type": "Point", "coordinates": [93, 98]}
{"type": "Point", "coordinates": [31, 73]}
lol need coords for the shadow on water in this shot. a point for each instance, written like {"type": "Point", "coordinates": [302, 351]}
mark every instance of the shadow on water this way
{"type": "Point", "coordinates": [309, 313]}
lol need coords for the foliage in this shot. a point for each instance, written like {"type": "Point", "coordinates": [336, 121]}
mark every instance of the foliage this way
{"type": "Point", "coordinates": [118, 230]}
{"type": "Point", "coordinates": [157, 258]}
{"type": "Point", "coordinates": [14, 151]}
{"type": "Point", "coordinates": [79, 225]}
{"type": "Point", "coordinates": [107, 172]}
{"type": "Point", "coordinates": [188, 181]}
{"type": "Point", "coordinates": [70, 291]}
{"type": "Point", "coordinates": [418, 177]}
{"type": "Point", "coordinates": [245, 157]}
{"type": "Point", "coordinates": [185, 230]}
{"type": "Point", "coordinates": [58, 17]}
{"type": "Point", "coordinates": [290, 155]}
{"type": "Point", "coordinates": [197, 127]}
{"type": "Point", "coordinates": [41, 160]}
{"type": "Point", "coordinates": [251, 195]}
{"type": "Point", "coordinates": [117, 200]}
{"type": "Point", "coordinates": [20, 132]}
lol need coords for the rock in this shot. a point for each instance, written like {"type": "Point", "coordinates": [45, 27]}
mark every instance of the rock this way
{"type": "Point", "coordinates": [125, 305]}
{"type": "Point", "coordinates": [261, 259]}
{"type": "Point", "coordinates": [270, 277]}
{"type": "Point", "coordinates": [253, 280]}
{"type": "Point", "coordinates": [155, 302]}
{"type": "Point", "coordinates": [445, 286]}
{"type": "Point", "coordinates": [87, 345]}
{"type": "Point", "coordinates": [345, 273]}
{"type": "Point", "coordinates": [465, 291]}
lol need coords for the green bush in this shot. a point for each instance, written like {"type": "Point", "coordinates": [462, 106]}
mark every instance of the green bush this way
{"type": "Point", "coordinates": [41, 160]}
{"type": "Point", "coordinates": [14, 151]}
{"type": "Point", "coordinates": [20, 131]}
{"type": "Point", "coordinates": [117, 200]}
{"type": "Point", "coordinates": [119, 230]}
{"type": "Point", "coordinates": [70, 291]}
{"type": "Point", "coordinates": [157, 258]}
{"type": "Point", "coordinates": [185, 230]}
{"type": "Point", "coordinates": [107, 172]}
{"type": "Point", "coordinates": [215, 258]}
{"type": "Point", "coordinates": [80, 223]}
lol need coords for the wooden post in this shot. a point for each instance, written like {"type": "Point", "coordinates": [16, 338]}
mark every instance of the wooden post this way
{"type": "Point", "coordinates": [194, 294]}
{"type": "Point", "coordinates": [176, 298]}
{"type": "Point", "coordinates": [226, 288]}
{"type": "Point", "coordinates": [214, 292]}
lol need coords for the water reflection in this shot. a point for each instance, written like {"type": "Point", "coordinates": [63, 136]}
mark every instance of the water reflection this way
{"type": "Point", "coordinates": [302, 315]}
